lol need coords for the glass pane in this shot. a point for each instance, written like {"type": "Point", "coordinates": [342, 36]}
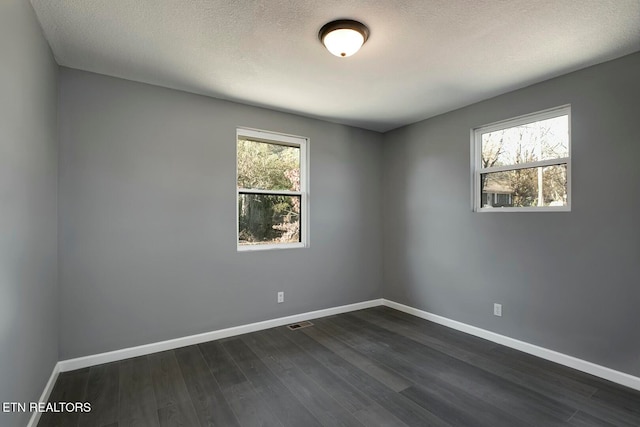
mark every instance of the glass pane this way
{"type": "Point", "coordinates": [525, 187]}
{"type": "Point", "coordinates": [531, 142]}
{"type": "Point", "coordinates": [268, 219]}
{"type": "Point", "coordinates": [267, 166]}
{"type": "Point", "coordinates": [554, 185]}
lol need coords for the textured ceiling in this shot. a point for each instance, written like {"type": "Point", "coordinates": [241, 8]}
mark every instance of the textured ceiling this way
{"type": "Point", "coordinates": [423, 57]}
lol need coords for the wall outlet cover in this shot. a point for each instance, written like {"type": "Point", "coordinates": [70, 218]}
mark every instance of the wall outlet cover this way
{"type": "Point", "coordinates": [497, 309]}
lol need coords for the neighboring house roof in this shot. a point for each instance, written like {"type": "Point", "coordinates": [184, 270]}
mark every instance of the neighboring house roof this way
{"type": "Point", "coordinates": [496, 185]}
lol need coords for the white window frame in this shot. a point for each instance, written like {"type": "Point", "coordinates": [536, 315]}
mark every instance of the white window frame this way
{"type": "Point", "coordinates": [280, 139]}
{"type": "Point", "coordinates": [476, 159]}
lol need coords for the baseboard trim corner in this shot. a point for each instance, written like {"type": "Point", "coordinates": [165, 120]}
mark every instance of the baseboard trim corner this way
{"type": "Point", "coordinates": [48, 388]}
{"type": "Point", "coordinates": [600, 371]}
{"type": "Point", "coordinates": [142, 350]}
{"type": "Point", "coordinates": [544, 353]}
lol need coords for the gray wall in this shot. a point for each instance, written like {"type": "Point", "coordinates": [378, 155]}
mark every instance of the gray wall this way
{"type": "Point", "coordinates": [147, 208]}
{"type": "Point", "coordinates": [28, 209]}
{"type": "Point", "coordinates": [567, 281]}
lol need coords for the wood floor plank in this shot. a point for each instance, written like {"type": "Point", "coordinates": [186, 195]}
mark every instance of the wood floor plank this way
{"type": "Point", "coordinates": [141, 416]}
{"type": "Point", "coordinates": [598, 408]}
{"type": "Point", "coordinates": [289, 410]}
{"type": "Point", "coordinates": [518, 400]}
{"type": "Point", "coordinates": [563, 384]}
{"type": "Point", "coordinates": [172, 397]}
{"type": "Point", "coordinates": [451, 404]}
{"type": "Point", "coordinates": [312, 395]}
{"type": "Point", "coordinates": [459, 409]}
{"type": "Point", "coordinates": [391, 379]}
{"type": "Point", "coordinates": [377, 416]}
{"type": "Point", "coordinates": [137, 405]}
{"type": "Point", "coordinates": [178, 414]}
{"type": "Point", "coordinates": [627, 400]}
{"type": "Point", "coordinates": [400, 406]}
{"type": "Point", "coordinates": [208, 400]}
{"type": "Point", "coordinates": [581, 419]}
{"type": "Point", "coordinates": [532, 363]}
{"type": "Point", "coordinates": [374, 367]}
{"type": "Point", "coordinates": [346, 394]}
{"type": "Point", "coordinates": [426, 365]}
{"type": "Point", "coordinates": [246, 403]}
{"type": "Point", "coordinates": [553, 386]}
{"type": "Point", "coordinates": [69, 387]}
{"type": "Point", "coordinates": [349, 396]}
{"type": "Point", "coordinates": [168, 384]}
{"type": "Point", "coordinates": [601, 409]}
{"type": "Point", "coordinates": [221, 364]}
{"type": "Point", "coordinates": [452, 336]}
{"type": "Point", "coordinates": [547, 371]}
{"type": "Point", "coordinates": [103, 392]}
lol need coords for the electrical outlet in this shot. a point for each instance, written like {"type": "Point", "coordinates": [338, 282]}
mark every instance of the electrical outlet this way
{"type": "Point", "coordinates": [497, 309]}
{"type": "Point", "coordinates": [280, 297]}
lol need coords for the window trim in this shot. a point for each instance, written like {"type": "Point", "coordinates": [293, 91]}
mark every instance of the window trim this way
{"type": "Point", "coordinates": [278, 139]}
{"type": "Point", "coordinates": [476, 159]}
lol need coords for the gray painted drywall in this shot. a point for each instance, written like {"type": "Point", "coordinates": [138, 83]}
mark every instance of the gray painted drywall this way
{"type": "Point", "coordinates": [147, 208]}
{"type": "Point", "coordinates": [567, 281]}
{"type": "Point", "coordinates": [28, 209]}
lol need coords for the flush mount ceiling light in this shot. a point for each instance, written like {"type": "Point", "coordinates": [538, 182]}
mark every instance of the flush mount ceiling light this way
{"type": "Point", "coordinates": [343, 37]}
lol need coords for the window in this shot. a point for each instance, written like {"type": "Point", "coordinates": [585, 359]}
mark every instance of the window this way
{"type": "Point", "coordinates": [271, 182]}
{"type": "Point", "coordinates": [523, 164]}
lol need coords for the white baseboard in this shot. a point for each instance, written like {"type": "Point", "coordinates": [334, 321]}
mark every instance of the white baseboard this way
{"type": "Point", "coordinates": [554, 356]}
{"type": "Point", "coordinates": [35, 416]}
{"type": "Point", "coordinates": [126, 353]}
{"type": "Point", "coordinates": [544, 353]}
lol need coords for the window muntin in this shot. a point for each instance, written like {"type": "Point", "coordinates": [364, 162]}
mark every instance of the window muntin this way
{"type": "Point", "coordinates": [523, 164]}
{"type": "Point", "coordinates": [271, 190]}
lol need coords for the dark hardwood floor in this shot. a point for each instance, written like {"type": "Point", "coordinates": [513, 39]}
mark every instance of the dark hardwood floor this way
{"type": "Point", "coordinates": [375, 367]}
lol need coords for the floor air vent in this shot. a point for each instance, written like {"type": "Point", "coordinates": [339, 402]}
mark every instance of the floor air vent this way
{"type": "Point", "coordinates": [299, 325]}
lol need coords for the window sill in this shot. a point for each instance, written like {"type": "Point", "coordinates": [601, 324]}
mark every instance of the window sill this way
{"type": "Point", "coordinates": [529, 209]}
{"type": "Point", "coordinates": [266, 247]}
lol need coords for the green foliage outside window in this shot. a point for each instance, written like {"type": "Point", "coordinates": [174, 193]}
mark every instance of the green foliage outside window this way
{"type": "Point", "coordinates": [268, 218]}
